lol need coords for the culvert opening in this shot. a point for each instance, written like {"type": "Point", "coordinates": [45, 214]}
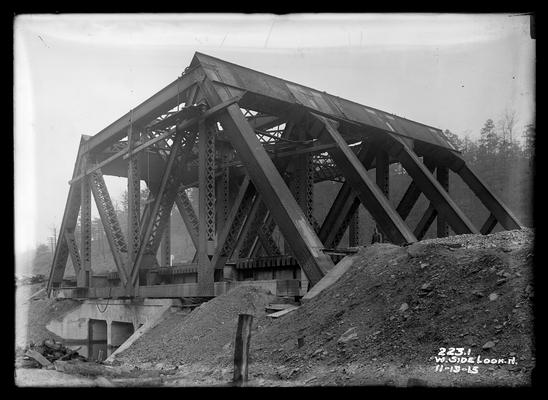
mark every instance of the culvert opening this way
{"type": "Point", "coordinates": [119, 333]}
{"type": "Point", "coordinates": [97, 335]}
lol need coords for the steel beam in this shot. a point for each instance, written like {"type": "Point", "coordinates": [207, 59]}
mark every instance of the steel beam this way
{"type": "Point", "coordinates": [234, 222]}
{"type": "Point", "coordinates": [206, 208]}
{"type": "Point", "coordinates": [338, 218]}
{"type": "Point", "coordinates": [431, 188]}
{"type": "Point", "coordinates": [103, 163]}
{"type": "Point", "coordinates": [425, 222]}
{"type": "Point", "coordinates": [126, 153]}
{"type": "Point", "coordinates": [503, 215]}
{"type": "Point", "coordinates": [368, 192]}
{"type": "Point", "coordinates": [264, 121]}
{"type": "Point", "coordinates": [408, 200]}
{"type": "Point", "coordinates": [240, 244]}
{"type": "Point", "coordinates": [442, 174]}
{"type": "Point", "coordinates": [168, 199]}
{"type": "Point", "coordinates": [222, 188]}
{"type": "Point", "coordinates": [83, 278]}
{"type": "Point", "coordinates": [188, 215]}
{"type": "Point", "coordinates": [110, 222]}
{"type": "Point", "coordinates": [159, 103]}
{"type": "Point", "coordinates": [70, 218]}
{"type": "Point", "coordinates": [185, 125]}
{"type": "Point", "coordinates": [251, 243]}
{"type": "Point", "coordinates": [345, 205]}
{"type": "Point", "coordinates": [382, 179]}
{"type": "Point", "coordinates": [303, 184]}
{"type": "Point", "coordinates": [456, 163]}
{"type": "Point", "coordinates": [264, 234]}
{"type": "Point", "coordinates": [354, 229]}
{"type": "Point", "coordinates": [134, 202]}
{"type": "Point", "coordinates": [163, 203]}
{"type": "Point", "coordinates": [410, 197]}
{"type": "Point", "coordinates": [488, 225]}
{"type": "Point", "coordinates": [74, 252]}
{"type": "Point", "coordinates": [260, 235]}
{"type": "Point", "coordinates": [306, 246]}
{"type": "Point", "coordinates": [165, 246]}
{"type": "Point", "coordinates": [206, 188]}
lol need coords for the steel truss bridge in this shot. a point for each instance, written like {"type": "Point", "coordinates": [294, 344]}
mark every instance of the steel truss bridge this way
{"type": "Point", "coordinates": [254, 146]}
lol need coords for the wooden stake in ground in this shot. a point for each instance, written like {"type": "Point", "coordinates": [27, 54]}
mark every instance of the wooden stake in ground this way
{"type": "Point", "coordinates": [241, 348]}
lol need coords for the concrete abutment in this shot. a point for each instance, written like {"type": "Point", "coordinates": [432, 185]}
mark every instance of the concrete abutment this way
{"type": "Point", "coordinates": [99, 327]}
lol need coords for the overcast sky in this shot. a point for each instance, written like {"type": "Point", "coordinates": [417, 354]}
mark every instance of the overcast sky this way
{"type": "Point", "coordinates": [75, 74]}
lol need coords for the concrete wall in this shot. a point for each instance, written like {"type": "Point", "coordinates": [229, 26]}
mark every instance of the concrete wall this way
{"type": "Point", "coordinates": [122, 318]}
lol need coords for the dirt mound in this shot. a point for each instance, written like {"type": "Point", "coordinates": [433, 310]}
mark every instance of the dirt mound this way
{"type": "Point", "coordinates": [32, 315]}
{"type": "Point", "coordinates": [199, 337]}
{"type": "Point", "coordinates": [397, 306]}
{"type": "Point", "coordinates": [382, 322]}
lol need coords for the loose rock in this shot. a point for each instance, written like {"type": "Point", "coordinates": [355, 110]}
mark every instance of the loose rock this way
{"type": "Point", "coordinates": [349, 335]}
{"type": "Point", "coordinates": [489, 345]}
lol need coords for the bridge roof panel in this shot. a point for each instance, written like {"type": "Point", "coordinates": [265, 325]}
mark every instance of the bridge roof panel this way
{"type": "Point", "coordinates": [267, 85]}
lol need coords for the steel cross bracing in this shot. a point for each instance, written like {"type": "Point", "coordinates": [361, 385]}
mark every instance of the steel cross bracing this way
{"type": "Point", "coordinates": [188, 215]}
{"type": "Point", "coordinates": [110, 222]}
{"type": "Point", "coordinates": [232, 230]}
{"type": "Point", "coordinates": [106, 211]}
{"type": "Point", "coordinates": [74, 251]}
{"type": "Point", "coordinates": [254, 146]}
{"type": "Point", "coordinates": [263, 235]}
{"type": "Point", "coordinates": [160, 211]}
{"type": "Point", "coordinates": [252, 234]}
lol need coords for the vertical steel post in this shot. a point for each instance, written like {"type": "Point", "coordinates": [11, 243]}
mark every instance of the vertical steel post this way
{"type": "Point", "coordinates": [206, 208]}
{"type": "Point", "coordinates": [70, 218]}
{"type": "Point", "coordinates": [165, 246]}
{"type": "Point", "coordinates": [442, 174]}
{"type": "Point", "coordinates": [354, 229]}
{"type": "Point", "coordinates": [83, 279]}
{"type": "Point", "coordinates": [382, 179]}
{"type": "Point", "coordinates": [222, 188]}
{"type": "Point", "coordinates": [134, 203]}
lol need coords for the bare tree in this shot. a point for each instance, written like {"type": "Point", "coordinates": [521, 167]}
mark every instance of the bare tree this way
{"type": "Point", "coordinates": [508, 146]}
